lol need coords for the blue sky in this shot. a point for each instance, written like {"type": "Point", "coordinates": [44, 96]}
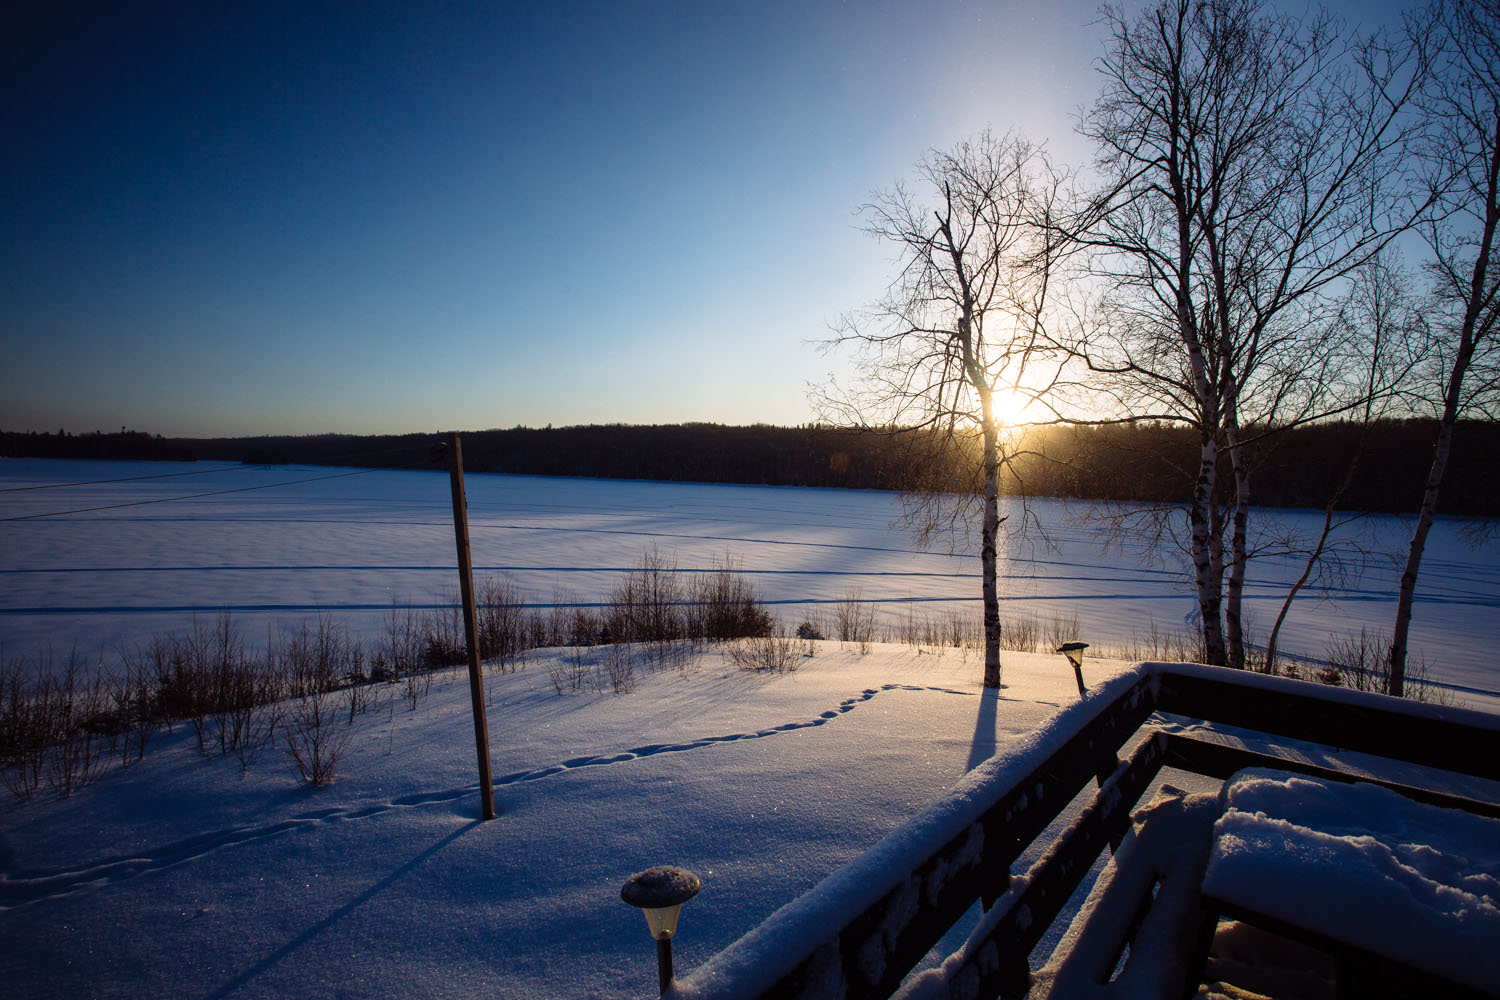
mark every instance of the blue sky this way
{"type": "Point", "coordinates": [367, 217]}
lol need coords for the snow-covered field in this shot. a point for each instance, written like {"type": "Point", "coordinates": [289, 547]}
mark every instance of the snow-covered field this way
{"type": "Point", "coordinates": [182, 877]}
{"type": "Point", "coordinates": [179, 877]}
{"type": "Point", "coordinates": [348, 543]}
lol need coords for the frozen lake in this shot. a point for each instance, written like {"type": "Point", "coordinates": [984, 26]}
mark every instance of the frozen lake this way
{"type": "Point", "coordinates": [155, 544]}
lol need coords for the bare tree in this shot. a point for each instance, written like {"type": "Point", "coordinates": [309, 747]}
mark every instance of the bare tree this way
{"type": "Point", "coordinates": [958, 327]}
{"type": "Point", "coordinates": [1462, 151]}
{"type": "Point", "coordinates": [1385, 327]}
{"type": "Point", "coordinates": [1250, 162]}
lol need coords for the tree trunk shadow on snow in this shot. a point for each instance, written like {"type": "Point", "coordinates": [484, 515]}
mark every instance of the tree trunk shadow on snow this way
{"type": "Point", "coordinates": [307, 936]}
{"type": "Point", "coordinates": [982, 746]}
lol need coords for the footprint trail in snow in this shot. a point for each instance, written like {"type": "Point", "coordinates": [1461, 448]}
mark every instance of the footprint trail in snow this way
{"type": "Point", "coordinates": [19, 887]}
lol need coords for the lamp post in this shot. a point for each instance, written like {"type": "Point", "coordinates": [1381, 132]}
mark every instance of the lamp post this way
{"type": "Point", "coordinates": [660, 893]}
{"type": "Point", "coordinates": [1074, 652]}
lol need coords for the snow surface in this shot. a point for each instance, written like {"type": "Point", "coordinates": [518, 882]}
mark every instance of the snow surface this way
{"type": "Point", "coordinates": [751, 966]}
{"type": "Point", "coordinates": [351, 545]}
{"type": "Point", "coordinates": [1361, 864]}
{"type": "Point", "coordinates": [179, 877]}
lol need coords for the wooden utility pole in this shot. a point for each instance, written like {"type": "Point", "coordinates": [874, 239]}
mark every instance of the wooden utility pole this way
{"type": "Point", "coordinates": [471, 625]}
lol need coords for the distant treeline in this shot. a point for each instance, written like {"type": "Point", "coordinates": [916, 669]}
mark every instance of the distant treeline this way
{"type": "Point", "coordinates": [1148, 462]}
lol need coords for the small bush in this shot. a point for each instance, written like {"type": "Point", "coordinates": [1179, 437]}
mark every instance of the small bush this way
{"type": "Point", "coordinates": [1363, 663]}
{"type": "Point", "coordinates": [61, 724]}
{"type": "Point", "coordinates": [854, 620]}
{"type": "Point", "coordinates": [575, 670]}
{"type": "Point", "coordinates": [767, 654]}
{"type": "Point", "coordinates": [313, 737]}
{"type": "Point", "coordinates": [502, 622]}
{"type": "Point", "coordinates": [443, 636]}
{"type": "Point", "coordinates": [1019, 634]}
{"type": "Point", "coordinates": [725, 606]}
{"type": "Point", "coordinates": [1170, 645]}
{"type": "Point", "coordinates": [619, 667]}
{"type": "Point", "coordinates": [25, 731]}
{"type": "Point", "coordinates": [777, 654]}
{"type": "Point", "coordinates": [399, 650]}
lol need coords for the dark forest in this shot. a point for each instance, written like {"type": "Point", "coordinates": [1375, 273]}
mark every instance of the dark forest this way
{"type": "Point", "coordinates": [1153, 462]}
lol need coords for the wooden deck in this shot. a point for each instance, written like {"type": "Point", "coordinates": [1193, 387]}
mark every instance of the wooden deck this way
{"type": "Point", "coordinates": [859, 933]}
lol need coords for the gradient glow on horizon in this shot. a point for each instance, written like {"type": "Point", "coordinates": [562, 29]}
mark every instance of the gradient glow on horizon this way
{"type": "Point", "coordinates": [368, 217]}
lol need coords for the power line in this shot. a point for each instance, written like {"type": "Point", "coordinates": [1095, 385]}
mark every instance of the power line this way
{"type": "Point", "coordinates": [194, 496]}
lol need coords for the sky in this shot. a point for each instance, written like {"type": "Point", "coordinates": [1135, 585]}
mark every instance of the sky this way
{"type": "Point", "coordinates": [225, 219]}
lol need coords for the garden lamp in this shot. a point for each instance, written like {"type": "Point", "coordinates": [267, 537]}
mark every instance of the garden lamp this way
{"type": "Point", "coordinates": [660, 893]}
{"type": "Point", "coordinates": [1074, 652]}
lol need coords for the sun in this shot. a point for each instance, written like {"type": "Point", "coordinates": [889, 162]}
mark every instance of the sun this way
{"type": "Point", "coordinates": [1010, 406]}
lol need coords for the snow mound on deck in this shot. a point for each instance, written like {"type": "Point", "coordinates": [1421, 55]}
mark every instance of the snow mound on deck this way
{"type": "Point", "coordinates": [1414, 882]}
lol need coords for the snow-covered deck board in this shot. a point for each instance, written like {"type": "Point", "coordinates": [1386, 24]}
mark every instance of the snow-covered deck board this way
{"type": "Point", "coordinates": [1369, 875]}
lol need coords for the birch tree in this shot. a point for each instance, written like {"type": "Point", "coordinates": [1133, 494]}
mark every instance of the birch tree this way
{"type": "Point", "coordinates": [958, 327]}
{"type": "Point", "coordinates": [1249, 162]}
{"type": "Point", "coordinates": [1462, 151]}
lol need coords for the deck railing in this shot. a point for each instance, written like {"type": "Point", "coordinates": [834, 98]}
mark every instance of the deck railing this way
{"type": "Point", "coordinates": [860, 932]}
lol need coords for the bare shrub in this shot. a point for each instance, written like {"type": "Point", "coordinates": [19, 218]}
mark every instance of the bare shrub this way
{"type": "Point", "coordinates": [962, 632]}
{"type": "Point", "coordinates": [177, 689]}
{"type": "Point", "coordinates": [909, 631]}
{"type": "Point", "coordinates": [502, 622]}
{"type": "Point", "coordinates": [137, 716]}
{"type": "Point", "coordinates": [1363, 663]}
{"type": "Point", "coordinates": [359, 688]}
{"type": "Point", "coordinates": [185, 689]}
{"type": "Point", "coordinates": [56, 724]}
{"type": "Point", "coordinates": [650, 602]}
{"type": "Point", "coordinates": [1019, 634]}
{"type": "Point", "coordinates": [75, 707]}
{"type": "Point", "coordinates": [26, 729]}
{"type": "Point", "coordinates": [619, 666]}
{"type": "Point", "coordinates": [538, 626]}
{"type": "Point", "coordinates": [1359, 663]}
{"type": "Point", "coordinates": [646, 608]}
{"type": "Point", "coordinates": [951, 629]}
{"type": "Point", "coordinates": [1057, 630]}
{"type": "Point", "coordinates": [415, 685]}
{"type": "Point", "coordinates": [314, 739]}
{"type": "Point", "coordinates": [567, 623]}
{"type": "Point", "coordinates": [1156, 643]}
{"type": "Point", "coordinates": [233, 686]}
{"type": "Point", "coordinates": [443, 635]}
{"type": "Point", "coordinates": [575, 670]}
{"type": "Point", "coordinates": [555, 674]}
{"type": "Point", "coordinates": [723, 605]}
{"type": "Point", "coordinates": [400, 655]}
{"type": "Point", "coordinates": [775, 653]}
{"type": "Point", "coordinates": [320, 658]}
{"type": "Point", "coordinates": [854, 620]}
{"type": "Point", "coordinates": [206, 676]}
{"type": "Point", "coordinates": [247, 722]}
{"type": "Point", "coordinates": [257, 721]}
{"type": "Point", "coordinates": [399, 649]}
{"type": "Point", "coordinates": [358, 697]}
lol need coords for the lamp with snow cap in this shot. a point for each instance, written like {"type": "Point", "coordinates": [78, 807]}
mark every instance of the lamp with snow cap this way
{"type": "Point", "coordinates": [660, 893]}
{"type": "Point", "coordinates": [1074, 652]}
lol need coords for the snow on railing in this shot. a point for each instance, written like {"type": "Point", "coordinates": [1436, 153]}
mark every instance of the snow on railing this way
{"type": "Point", "coordinates": [859, 931]}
